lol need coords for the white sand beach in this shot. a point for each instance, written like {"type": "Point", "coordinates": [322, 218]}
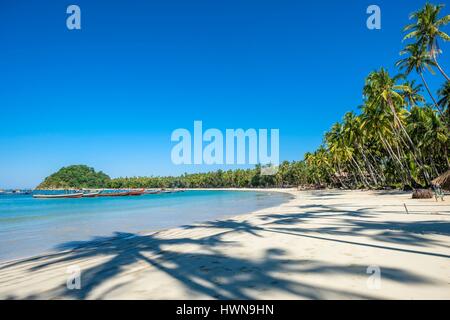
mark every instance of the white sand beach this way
{"type": "Point", "coordinates": [318, 245]}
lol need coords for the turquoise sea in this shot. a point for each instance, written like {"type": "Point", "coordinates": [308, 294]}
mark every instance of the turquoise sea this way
{"type": "Point", "coordinates": [31, 226]}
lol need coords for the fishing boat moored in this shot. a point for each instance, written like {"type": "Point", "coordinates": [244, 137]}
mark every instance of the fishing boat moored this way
{"type": "Point", "coordinates": [153, 192]}
{"type": "Point", "coordinates": [58, 196]}
{"type": "Point", "coordinates": [114, 194]}
{"type": "Point", "coordinates": [136, 192]}
{"type": "Point", "coordinates": [91, 194]}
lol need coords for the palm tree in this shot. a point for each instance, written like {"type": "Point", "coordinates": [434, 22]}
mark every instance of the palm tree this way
{"type": "Point", "coordinates": [444, 101]}
{"type": "Point", "coordinates": [338, 151]}
{"type": "Point", "coordinates": [426, 30]}
{"type": "Point", "coordinates": [418, 60]}
{"type": "Point", "coordinates": [361, 139]}
{"type": "Point", "coordinates": [382, 90]}
{"type": "Point", "coordinates": [377, 125]}
{"type": "Point", "coordinates": [431, 136]}
{"type": "Point", "coordinates": [411, 94]}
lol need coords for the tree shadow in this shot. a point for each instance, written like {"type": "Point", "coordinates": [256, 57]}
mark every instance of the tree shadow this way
{"type": "Point", "coordinates": [211, 273]}
{"type": "Point", "coordinates": [304, 233]}
{"type": "Point", "coordinates": [347, 222]}
{"type": "Point", "coordinates": [228, 226]}
{"type": "Point", "coordinates": [121, 250]}
{"type": "Point", "coordinates": [316, 211]}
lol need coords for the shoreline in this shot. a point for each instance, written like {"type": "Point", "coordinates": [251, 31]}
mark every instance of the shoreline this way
{"type": "Point", "coordinates": [339, 229]}
{"type": "Point", "coordinates": [50, 253]}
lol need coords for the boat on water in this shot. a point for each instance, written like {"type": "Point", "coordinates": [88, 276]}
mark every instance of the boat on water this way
{"type": "Point", "coordinates": [91, 194]}
{"type": "Point", "coordinates": [172, 191]}
{"type": "Point", "coordinates": [153, 192]}
{"type": "Point", "coordinates": [58, 196]}
{"type": "Point", "coordinates": [113, 194]}
{"type": "Point", "coordinates": [163, 191]}
{"type": "Point", "coordinates": [121, 193]}
{"type": "Point", "coordinates": [136, 192]}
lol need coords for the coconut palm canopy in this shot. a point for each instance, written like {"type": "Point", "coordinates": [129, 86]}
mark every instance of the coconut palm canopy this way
{"type": "Point", "coordinates": [399, 137]}
{"type": "Point", "coordinates": [443, 180]}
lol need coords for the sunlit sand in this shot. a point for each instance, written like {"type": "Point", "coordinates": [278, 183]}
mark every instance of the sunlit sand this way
{"type": "Point", "coordinates": [319, 245]}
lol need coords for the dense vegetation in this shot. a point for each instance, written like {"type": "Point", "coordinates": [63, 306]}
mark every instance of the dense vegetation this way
{"type": "Point", "coordinates": [399, 138]}
{"type": "Point", "coordinates": [289, 174]}
{"type": "Point", "coordinates": [78, 176]}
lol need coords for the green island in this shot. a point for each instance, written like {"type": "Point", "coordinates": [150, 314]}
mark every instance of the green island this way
{"type": "Point", "coordinates": [76, 176]}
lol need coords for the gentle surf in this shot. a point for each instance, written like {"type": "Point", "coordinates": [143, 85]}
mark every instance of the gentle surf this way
{"type": "Point", "coordinates": [31, 227]}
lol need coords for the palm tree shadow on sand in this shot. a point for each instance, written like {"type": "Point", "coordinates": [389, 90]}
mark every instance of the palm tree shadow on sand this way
{"type": "Point", "coordinates": [208, 272]}
{"type": "Point", "coordinates": [341, 222]}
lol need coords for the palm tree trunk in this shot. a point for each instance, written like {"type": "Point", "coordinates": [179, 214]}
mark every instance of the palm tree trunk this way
{"type": "Point", "coordinates": [366, 183]}
{"type": "Point", "coordinates": [378, 168]}
{"type": "Point", "coordinates": [411, 144]}
{"type": "Point", "coordinates": [439, 67]}
{"type": "Point", "coordinates": [395, 158]}
{"type": "Point", "coordinates": [355, 175]}
{"type": "Point", "coordinates": [433, 165]}
{"type": "Point", "coordinates": [418, 159]}
{"type": "Point", "coordinates": [431, 95]}
{"type": "Point", "coordinates": [339, 176]}
{"type": "Point", "coordinates": [367, 164]}
{"type": "Point", "coordinates": [446, 157]}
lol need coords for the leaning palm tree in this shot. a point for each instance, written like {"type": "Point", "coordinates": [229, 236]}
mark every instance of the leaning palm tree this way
{"type": "Point", "coordinates": [444, 100]}
{"type": "Point", "coordinates": [382, 90]}
{"type": "Point", "coordinates": [355, 136]}
{"type": "Point", "coordinates": [418, 59]}
{"type": "Point", "coordinates": [411, 94]}
{"type": "Point", "coordinates": [342, 153]}
{"type": "Point", "coordinates": [426, 30]}
{"type": "Point", "coordinates": [376, 122]}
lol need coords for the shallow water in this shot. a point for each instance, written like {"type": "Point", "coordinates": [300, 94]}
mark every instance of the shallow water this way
{"type": "Point", "coordinates": [31, 226]}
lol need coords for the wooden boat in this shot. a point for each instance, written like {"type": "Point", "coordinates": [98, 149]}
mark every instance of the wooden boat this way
{"type": "Point", "coordinates": [122, 193]}
{"type": "Point", "coordinates": [91, 194]}
{"type": "Point", "coordinates": [137, 192]}
{"type": "Point", "coordinates": [153, 192]}
{"type": "Point", "coordinates": [58, 196]}
{"type": "Point", "coordinates": [114, 194]}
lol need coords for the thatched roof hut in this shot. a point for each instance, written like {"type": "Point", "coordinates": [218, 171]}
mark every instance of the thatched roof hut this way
{"type": "Point", "coordinates": [443, 180]}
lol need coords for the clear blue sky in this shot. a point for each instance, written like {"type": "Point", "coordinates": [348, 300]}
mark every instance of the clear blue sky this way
{"type": "Point", "coordinates": [110, 95]}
